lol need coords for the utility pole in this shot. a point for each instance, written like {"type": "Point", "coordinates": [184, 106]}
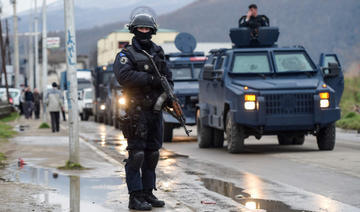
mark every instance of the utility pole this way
{"type": "Point", "coordinates": [7, 42]}
{"type": "Point", "coordinates": [3, 62]}
{"type": "Point", "coordinates": [31, 52]}
{"type": "Point", "coordinates": [44, 58]}
{"type": "Point", "coordinates": [37, 74]}
{"type": "Point", "coordinates": [71, 62]}
{"type": "Point", "coordinates": [16, 46]}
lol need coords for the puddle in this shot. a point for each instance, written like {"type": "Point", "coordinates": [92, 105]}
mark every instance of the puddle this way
{"type": "Point", "coordinates": [110, 142]}
{"type": "Point", "coordinates": [194, 173]}
{"type": "Point", "coordinates": [171, 155]}
{"type": "Point", "coordinates": [68, 193]}
{"type": "Point", "coordinates": [21, 128]}
{"type": "Point", "coordinates": [238, 194]}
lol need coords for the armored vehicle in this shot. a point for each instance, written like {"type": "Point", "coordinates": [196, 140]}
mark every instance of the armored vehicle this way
{"type": "Point", "coordinates": [101, 77]}
{"type": "Point", "coordinates": [257, 88]}
{"type": "Point", "coordinates": [185, 67]}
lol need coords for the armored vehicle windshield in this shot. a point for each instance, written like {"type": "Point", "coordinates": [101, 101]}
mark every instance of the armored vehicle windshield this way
{"type": "Point", "coordinates": [189, 71]}
{"type": "Point", "coordinates": [292, 61]}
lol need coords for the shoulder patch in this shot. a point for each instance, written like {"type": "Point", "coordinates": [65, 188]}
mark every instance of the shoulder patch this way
{"type": "Point", "coordinates": [123, 59]}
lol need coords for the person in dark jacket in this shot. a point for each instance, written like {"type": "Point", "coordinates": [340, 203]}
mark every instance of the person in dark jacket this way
{"type": "Point", "coordinates": [253, 20]}
{"type": "Point", "coordinates": [37, 100]}
{"type": "Point", "coordinates": [142, 126]}
{"type": "Point", "coordinates": [29, 103]}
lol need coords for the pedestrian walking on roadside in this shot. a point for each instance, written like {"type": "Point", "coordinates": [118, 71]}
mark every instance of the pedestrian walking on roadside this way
{"type": "Point", "coordinates": [29, 103]}
{"type": "Point", "coordinates": [143, 126]}
{"type": "Point", "coordinates": [37, 100]}
{"type": "Point", "coordinates": [22, 102]}
{"type": "Point", "coordinates": [54, 104]}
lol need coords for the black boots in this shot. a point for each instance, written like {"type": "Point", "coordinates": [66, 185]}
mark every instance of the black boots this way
{"type": "Point", "coordinates": [151, 198]}
{"type": "Point", "coordinates": [137, 202]}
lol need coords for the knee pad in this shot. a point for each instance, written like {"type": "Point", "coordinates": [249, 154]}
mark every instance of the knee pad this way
{"type": "Point", "coordinates": [152, 158]}
{"type": "Point", "coordinates": [136, 159]}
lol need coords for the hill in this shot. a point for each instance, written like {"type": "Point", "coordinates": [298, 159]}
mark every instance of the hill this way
{"type": "Point", "coordinates": [319, 26]}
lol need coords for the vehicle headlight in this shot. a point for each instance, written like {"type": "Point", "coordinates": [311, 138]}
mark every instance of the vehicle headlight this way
{"type": "Point", "coordinates": [250, 102]}
{"type": "Point", "coordinates": [102, 107]}
{"type": "Point", "coordinates": [122, 101]}
{"type": "Point", "coordinates": [324, 99]}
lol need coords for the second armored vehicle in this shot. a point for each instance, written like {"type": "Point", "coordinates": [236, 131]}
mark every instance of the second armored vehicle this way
{"type": "Point", "coordinates": [185, 68]}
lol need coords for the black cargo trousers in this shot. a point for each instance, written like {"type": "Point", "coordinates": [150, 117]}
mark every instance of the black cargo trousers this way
{"type": "Point", "coordinates": [143, 146]}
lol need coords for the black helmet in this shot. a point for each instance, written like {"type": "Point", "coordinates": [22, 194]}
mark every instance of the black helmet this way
{"type": "Point", "coordinates": [143, 20]}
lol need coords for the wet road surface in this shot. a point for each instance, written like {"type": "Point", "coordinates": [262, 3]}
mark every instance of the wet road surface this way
{"type": "Point", "coordinates": [266, 176]}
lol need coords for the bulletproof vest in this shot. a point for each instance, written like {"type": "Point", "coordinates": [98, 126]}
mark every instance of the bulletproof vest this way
{"type": "Point", "coordinates": [142, 62]}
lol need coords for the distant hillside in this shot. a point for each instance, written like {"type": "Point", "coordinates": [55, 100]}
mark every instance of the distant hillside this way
{"type": "Point", "coordinates": [320, 26]}
{"type": "Point", "coordinates": [91, 13]}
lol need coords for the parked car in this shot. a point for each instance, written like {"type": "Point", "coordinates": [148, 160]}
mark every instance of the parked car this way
{"type": "Point", "coordinates": [14, 96]}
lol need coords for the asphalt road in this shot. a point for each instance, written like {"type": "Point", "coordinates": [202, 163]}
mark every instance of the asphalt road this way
{"type": "Point", "coordinates": [267, 176]}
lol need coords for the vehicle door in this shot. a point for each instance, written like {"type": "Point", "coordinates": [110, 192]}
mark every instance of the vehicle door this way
{"type": "Point", "coordinates": [206, 86]}
{"type": "Point", "coordinates": [218, 94]}
{"type": "Point", "coordinates": [333, 74]}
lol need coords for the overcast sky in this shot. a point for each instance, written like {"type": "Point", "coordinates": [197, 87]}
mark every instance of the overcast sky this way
{"type": "Point", "coordinates": [22, 5]}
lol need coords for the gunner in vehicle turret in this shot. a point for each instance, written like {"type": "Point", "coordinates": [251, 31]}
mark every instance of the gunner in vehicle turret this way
{"type": "Point", "coordinates": [252, 19]}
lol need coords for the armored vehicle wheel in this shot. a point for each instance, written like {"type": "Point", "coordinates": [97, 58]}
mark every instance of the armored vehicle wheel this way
{"type": "Point", "coordinates": [218, 140]}
{"type": "Point", "coordinates": [204, 133]}
{"type": "Point", "coordinates": [284, 140]}
{"type": "Point", "coordinates": [235, 135]}
{"type": "Point", "coordinates": [326, 137]}
{"type": "Point", "coordinates": [288, 139]}
{"type": "Point", "coordinates": [299, 140]}
{"type": "Point", "coordinates": [168, 132]}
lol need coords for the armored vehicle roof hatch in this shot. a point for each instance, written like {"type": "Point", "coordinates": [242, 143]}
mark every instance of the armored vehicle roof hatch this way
{"type": "Point", "coordinates": [260, 37]}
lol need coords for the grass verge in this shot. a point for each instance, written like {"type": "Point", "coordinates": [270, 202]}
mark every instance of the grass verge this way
{"type": "Point", "coordinates": [44, 125]}
{"type": "Point", "coordinates": [6, 131]}
{"type": "Point", "coordinates": [2, 159]}
{"type": "Point", "coordinates": [351, 97]}
{"type": "Point", "coordinates": [350, 121]}
{"type": "Point", "coordinates": [72, 166]}
{"type": "Point", "coordinates": [12, 117]}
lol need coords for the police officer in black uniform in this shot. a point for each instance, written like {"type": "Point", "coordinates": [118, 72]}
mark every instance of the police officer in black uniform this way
{"type": "Point", "coordinates": [252, 19]}
{"type": "Point", "coordinates": [142, 126]}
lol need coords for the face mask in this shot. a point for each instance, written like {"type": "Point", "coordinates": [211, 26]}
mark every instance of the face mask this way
{"type": "Point", "coordinates": [142, 36]}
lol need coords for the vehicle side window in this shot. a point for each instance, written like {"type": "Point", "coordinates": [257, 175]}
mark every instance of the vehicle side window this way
{"type": "Point", "coordinates": [219, 65]}
{"type": "Point", "coordinates": [330, 59]}
{"type": "Point", "coordinates": [214, 60]}
{"type": "Point", "coordinates": [224, 62]}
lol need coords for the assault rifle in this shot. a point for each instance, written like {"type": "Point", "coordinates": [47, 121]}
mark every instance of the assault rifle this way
{"type": "Point", "coordinates": [176, 111]}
